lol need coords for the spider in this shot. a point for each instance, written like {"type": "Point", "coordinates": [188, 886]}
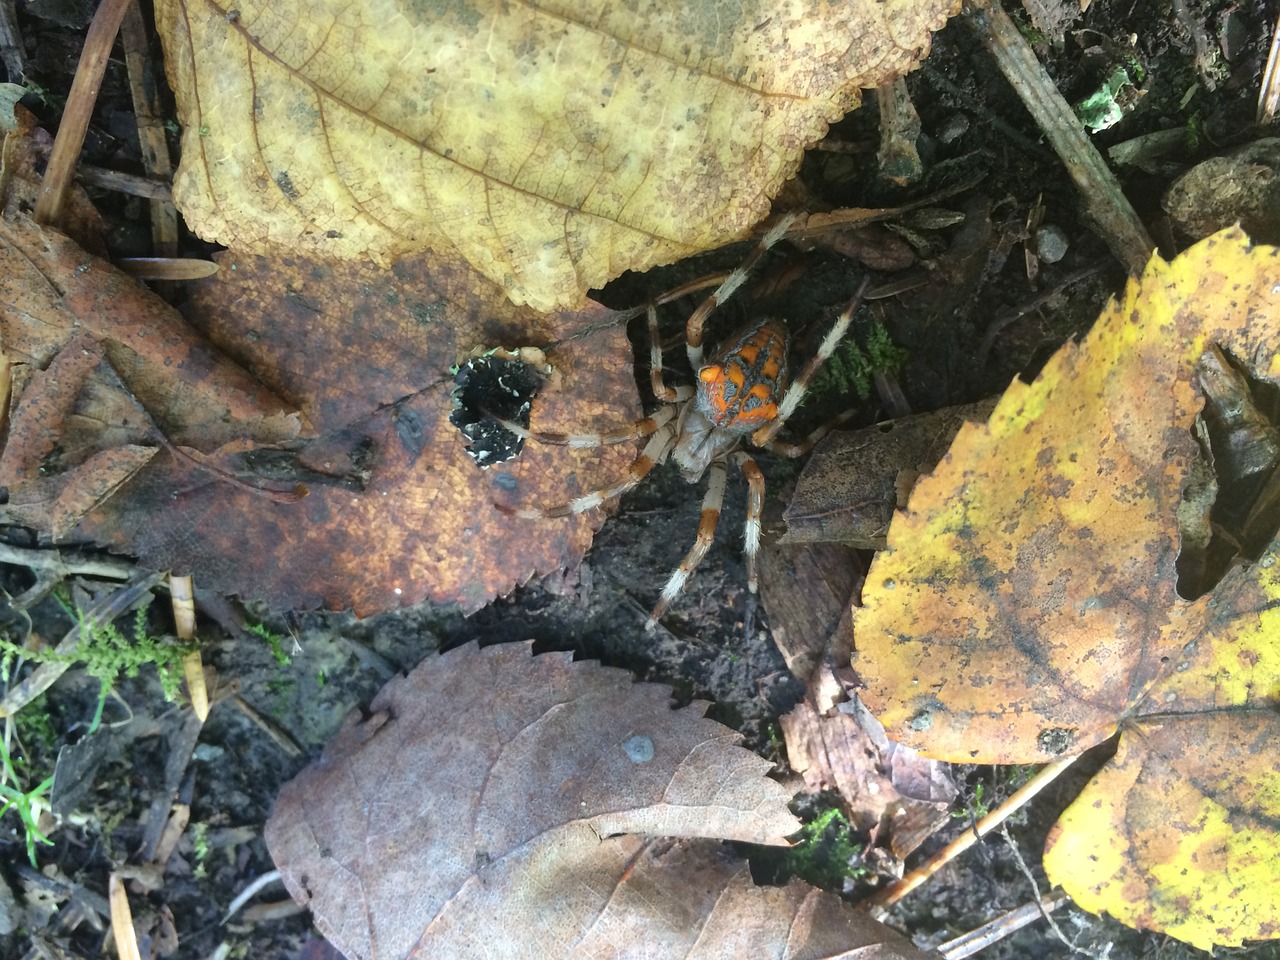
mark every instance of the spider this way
{"type": "Point", "coordinates": [742, 393]}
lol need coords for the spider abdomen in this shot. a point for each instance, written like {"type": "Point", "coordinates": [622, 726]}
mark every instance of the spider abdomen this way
{"type": "Point", "coordinates": [740, 388]}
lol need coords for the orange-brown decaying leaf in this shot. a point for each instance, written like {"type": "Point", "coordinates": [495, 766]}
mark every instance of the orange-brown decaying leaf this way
{"type": "Point", "coordinates": [552, 146]}
{"type": "Point", "coordinates": [491, 784]}
{"type": "Point", "coordinates": [1026, 607]}
{"type": "Point", "coordinates": [396, 511]}
{"type": "Point", "coordinates": [103, 371]}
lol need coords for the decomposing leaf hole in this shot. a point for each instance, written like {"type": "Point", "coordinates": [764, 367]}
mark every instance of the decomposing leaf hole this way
{"type": "Point", "coordinates": [1231, 501]}
{"type": "Point", "coordinates": [496, 384]}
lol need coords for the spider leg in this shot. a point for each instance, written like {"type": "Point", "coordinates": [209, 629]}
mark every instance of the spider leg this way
{"type": "Point", "coordinates": [755, 506]}
{"type": "Point", "coordinates": [605, 438]}
{"type": "Point", "coordinates": [654, 452]}
{"type": "Point", "coordinates": [795, 393]}
{"type": "Point", "coordinates": [693, 329]}
{"type": "Point", "coordinates": [661, 391]}
{"type": "Point", "coordinates": [711, 503]}
{"type": "Point", "coordinates": [798, 448]}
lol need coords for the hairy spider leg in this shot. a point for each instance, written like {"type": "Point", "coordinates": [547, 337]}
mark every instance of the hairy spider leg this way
{"type": "Point", "coordinates": [654, 452]}
{"type": "Point", "coordinates": [693, 328]}
{"type": "Point", "coordinates": [603, 438]}
{"type": "Point", "coordinates": [755, 507]}
{"type": "Point", "coordinates": [660, 389]}
{"type": "Point", "coordinates": [795, 393]}
{"type": "Point", "coordinates": [711, 504]}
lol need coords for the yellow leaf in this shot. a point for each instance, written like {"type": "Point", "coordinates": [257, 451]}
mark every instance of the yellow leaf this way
{"type": "Point", "coordinates": [1026, 607]}
{"type": "Point", "coordinates": [553, 146]}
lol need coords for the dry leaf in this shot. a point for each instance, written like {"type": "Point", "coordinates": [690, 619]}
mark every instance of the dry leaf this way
{"type": "Point", "coordinates": [855, 479]}
{"type": "Point", "coordinates": [103, 370]}
{"type": "Point", "coordinates": [553, 147]}
{"type": "Point", "coordinates": [397, 512]}
{"type": "Point", "coordinates": [488, 783]}
{"type": "Point", "coordinates": [1026, 607]}
{"type": "Point", "coordinates": [807, 589]}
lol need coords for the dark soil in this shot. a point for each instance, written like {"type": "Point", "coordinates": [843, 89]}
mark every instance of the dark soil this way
{"type": "Point", "coordinates": [971, 324]}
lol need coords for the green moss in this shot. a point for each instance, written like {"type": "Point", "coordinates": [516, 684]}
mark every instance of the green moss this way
{"type": "Point", "coordinates": [200, 848]}
{"type": "Point", "coordinates": [274, 640]}
{"type": "Point", "coordinates": [35, 727]}
{"type": "Point", "coordinates": [827, 852]}
{"type": "Point", "coordinates": [854, 365]}
{"type": "Point", "coordinates": [108, 653]}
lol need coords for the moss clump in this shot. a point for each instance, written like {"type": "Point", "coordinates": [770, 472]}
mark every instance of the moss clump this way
{"type": "Point", "coordinates": [108, 653]}
{"type": "Point", "coordinates": [827, 853]}
{"type": "Point", "coordinates": [853, 366]}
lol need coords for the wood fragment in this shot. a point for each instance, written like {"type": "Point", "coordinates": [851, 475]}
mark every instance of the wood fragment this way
{"type": "Point", "coordinates": [79, 109]}
{"type": "Point", "coordinates": [151, 133]}
{"type": "Point", "coordinates": [182, 595]}
{"type": "Point", "coordinates": [122, 920]}
{"type": "Point", "coordinates": [1104, 202]}
{"type": "Point", "coordinates": [179, 817]}
{"type": "Point", "coordinates": [1269, 93]}
{"type": "Point", "coordinates": [899, 128]}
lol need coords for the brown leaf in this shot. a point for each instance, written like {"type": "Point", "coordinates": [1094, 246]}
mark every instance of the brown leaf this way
{"type": "Point", "coordinates": [102, 369]}
{"type": "Point", "coordinates": [488, 783]}
{"type": "Point", "coordinates": [553, 146]}
{"type": "Point", "coordinates": [856, 479]}
{"type": "Point", "coordinates": [807, 589]}
{"type": "Point", "coordinates": [54, 290]}
{"type": "Point", "coordinates": [397, 511]}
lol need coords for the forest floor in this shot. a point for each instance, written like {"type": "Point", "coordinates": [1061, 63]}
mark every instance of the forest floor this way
{"type": "Point", "coordinates": [975, 322]}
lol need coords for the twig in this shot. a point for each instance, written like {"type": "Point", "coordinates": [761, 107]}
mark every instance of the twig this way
{"type": "Point", "coordinates": [1269, 93]}
{"type": "Point", "coordinates": [130, 183]}
{"type": "Point", "coordinates": [75, 118]}
{"type": "Point", "coordinates": [878, 903]}
{"type": "Point", "coordinates": [122, 920]}
{"type": "Point", "coordinates": [249, 892]}
{"type": "Point", "coordinates": [1003, 926]}
{"type": "Point", "coordinates": [1035, 887]}
{"type": "Point", "coordinates": [1105, 204]}
{"type": "Point", "coordinates": [64, 565]}
{"type": "Point", "coordinates": [1017, 313]}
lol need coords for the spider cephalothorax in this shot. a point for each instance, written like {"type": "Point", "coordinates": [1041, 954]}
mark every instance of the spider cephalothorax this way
{"type": "Point", "coordinates": [743, 393]}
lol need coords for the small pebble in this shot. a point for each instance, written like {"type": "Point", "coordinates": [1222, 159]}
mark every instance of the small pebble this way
{"type": "Point", "coordinates": [1051, 243]}
{"type": "Point", "coordinates": [953, 128]}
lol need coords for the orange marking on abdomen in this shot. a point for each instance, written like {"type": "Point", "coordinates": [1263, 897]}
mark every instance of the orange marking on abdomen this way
{"type": "Point", "coordinates": [739, 390]}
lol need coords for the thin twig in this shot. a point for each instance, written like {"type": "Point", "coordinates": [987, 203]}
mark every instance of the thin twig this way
{"type": "Point", "coordinates": [1105, 203]}
{"type": "Point", "coordinates": [249, 892]}
{"type": "Point", "coordinates": [1002, 926]}
{"type": "Point", "coordinates": [878, 903]}
{"type": "Point", "coordinates": [1035, 887]}
{"type": "Point", "coordinates": [79, 109]}
{"type": "Point", "coordinates": [128, 183]}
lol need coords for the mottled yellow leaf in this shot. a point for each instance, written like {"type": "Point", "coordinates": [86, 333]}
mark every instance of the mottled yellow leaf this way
{"type": "Point", "coordinates": [553, 146]}
{"type": "Point", "coordinates": [1026, 607]}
